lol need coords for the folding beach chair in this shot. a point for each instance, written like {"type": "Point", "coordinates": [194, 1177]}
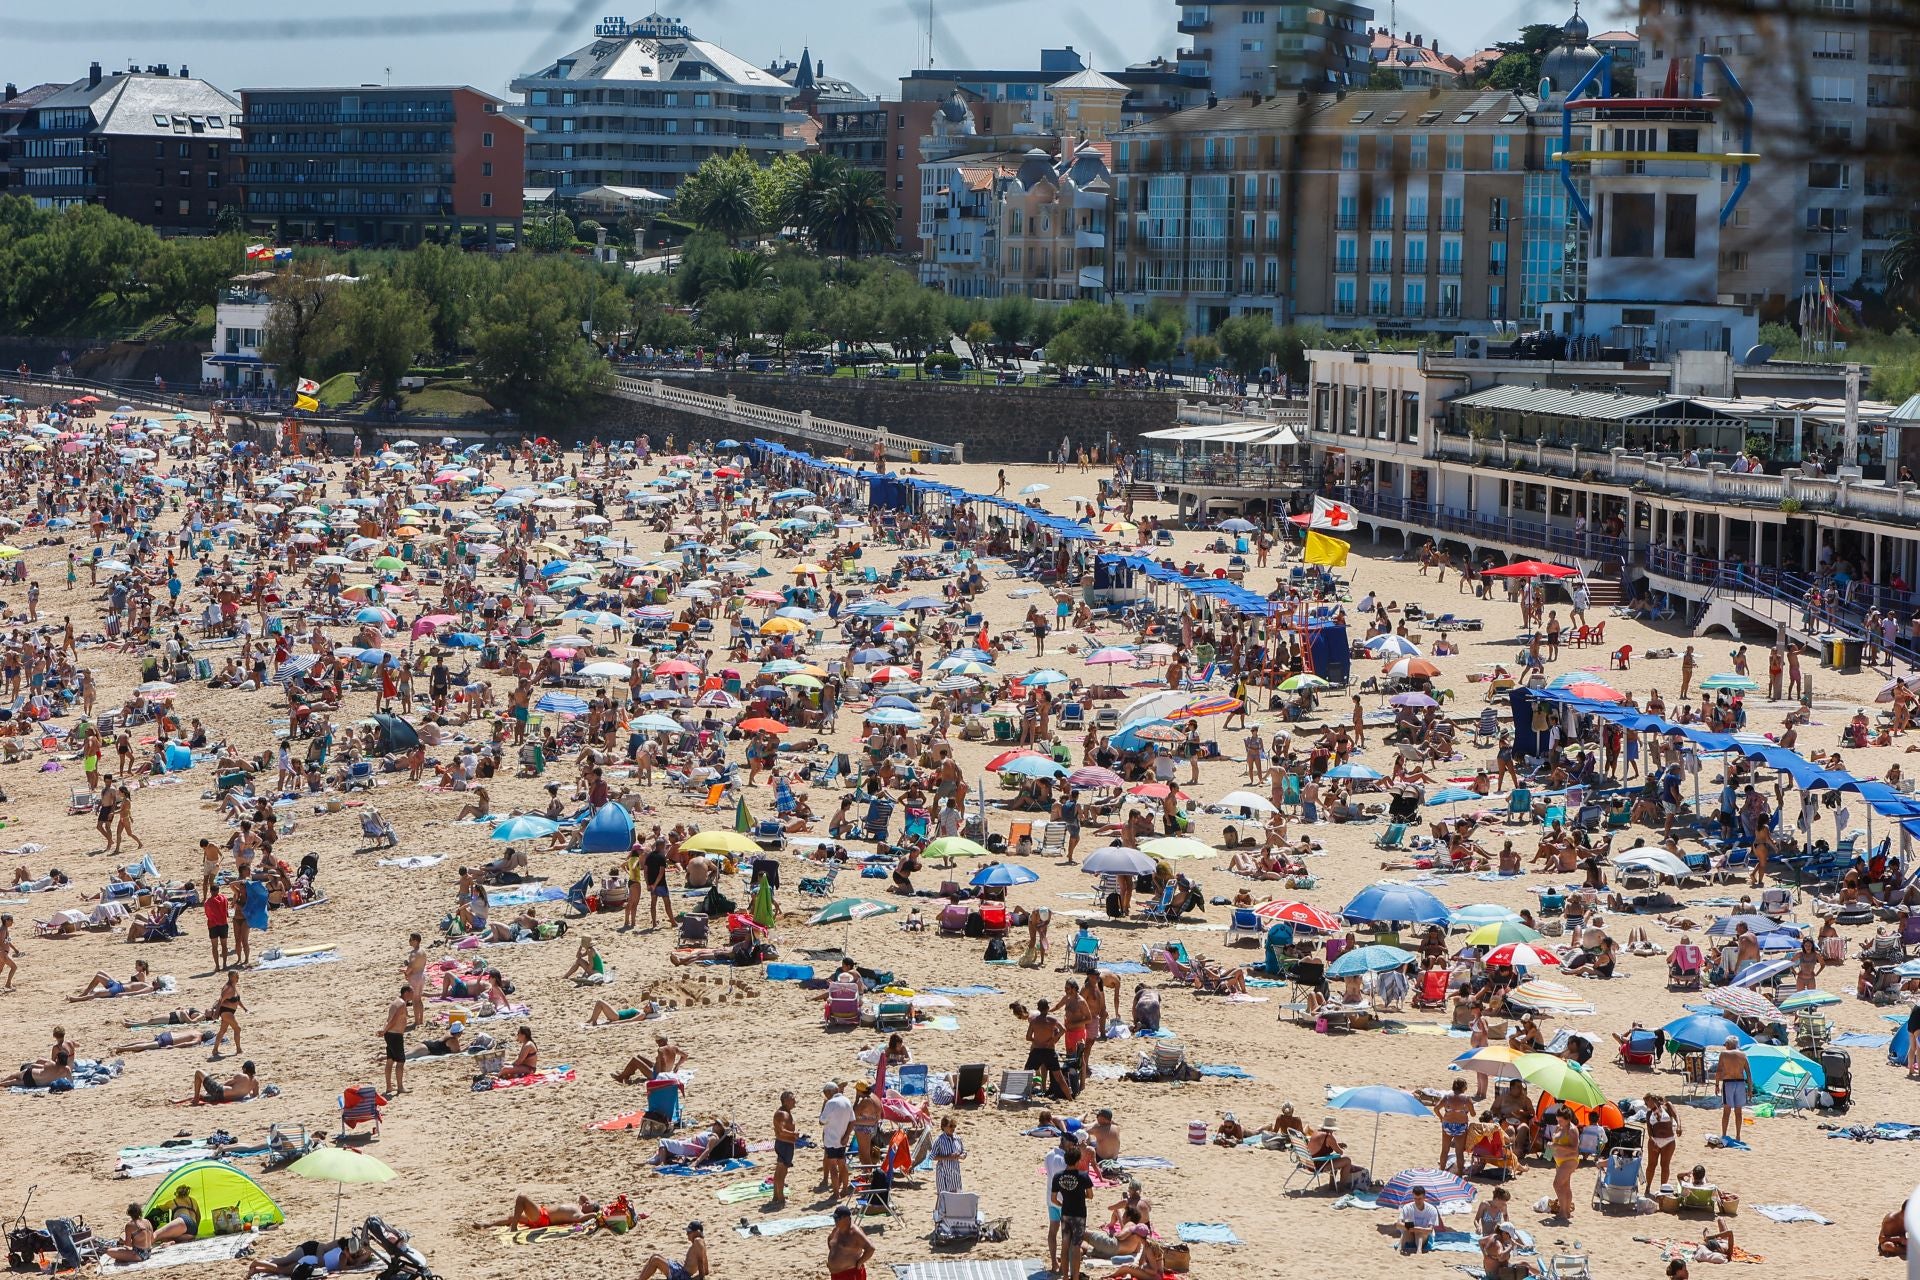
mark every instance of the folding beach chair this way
{"type": "Point", "coordinates": [360, 1105]}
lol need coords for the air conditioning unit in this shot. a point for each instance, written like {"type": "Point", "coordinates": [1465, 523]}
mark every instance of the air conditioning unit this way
{"type": "Point", "coordinates": [1472, 347]}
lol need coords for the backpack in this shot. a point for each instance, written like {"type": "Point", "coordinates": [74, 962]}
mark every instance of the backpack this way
{"type": "Point", "coordinates": [996, 948]}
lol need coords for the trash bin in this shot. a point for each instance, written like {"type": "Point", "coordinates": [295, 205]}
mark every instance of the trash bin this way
{"type": "Point", "coordinates": [1845, 657]}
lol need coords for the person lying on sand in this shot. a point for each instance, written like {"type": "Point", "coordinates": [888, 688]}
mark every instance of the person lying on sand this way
{"type": "Point", "coordinates": [174, 1018]}
{"type": "Point", "coordinates": [604, 1013]}
{"type": "Point", "coordinates": [483, 985]}
{"type": "Point", "coordinates": [527, 1213]}
{"type": "Point", "coordinates": [694, 1268]}
{"type": "Point", "coordinates": [103, 986]}
{"type": "Point", "coordinates": [208, 1091]}
{"type": "Point", "coordinates": [454, 1042]}
{"type": "Point", "coordinates": [169, 1040]}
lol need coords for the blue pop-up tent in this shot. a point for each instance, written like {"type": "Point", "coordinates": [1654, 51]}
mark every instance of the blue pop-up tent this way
{"type": "Point", "coordinates": [609, 830]}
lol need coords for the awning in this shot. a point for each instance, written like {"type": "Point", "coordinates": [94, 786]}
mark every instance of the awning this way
{"type": "Point", "coordinates": [220, 357]}
{"type": "Point", "coordinates": [1223, 432]}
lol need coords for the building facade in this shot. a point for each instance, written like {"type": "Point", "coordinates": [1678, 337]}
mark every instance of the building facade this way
{"type": "Point", "coordinates": [1153, 89]}
{"type": "Point", "coordinates": [1413, 61]}
{"type": "Point", "coordinates": [239, 328]}
{"type": "Point", "coordinates": [644, 105]}
{"type": "Point", "coordinates": [13, 109]}
{"type": "Point", "coordinates": [1411, 211]}
{"type": "Point", "coordinates": [150, 145]}
{"type": "Point", "coordinates": [1263, 48]}
{"type": "Point", "coordinates": [382, 164]}
{"type": "Point", "coordinates": [1833, 86]}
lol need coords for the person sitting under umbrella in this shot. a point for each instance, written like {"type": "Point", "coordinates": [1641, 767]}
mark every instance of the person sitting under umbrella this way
{"type": "Point", "coordinates": [1325, 1149]}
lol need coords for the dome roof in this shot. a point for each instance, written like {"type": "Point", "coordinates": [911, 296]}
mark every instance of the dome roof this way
{"type": "Point", "coordinates": [1564, 66]}
{"type": "Point", "coordinates": [954, 108]}
{"type": "Point", "coordinates": [1575, 30]}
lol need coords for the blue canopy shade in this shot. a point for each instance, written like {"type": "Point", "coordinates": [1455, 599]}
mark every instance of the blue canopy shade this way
{"type": "Point", "coordinates": [1003, 874]}
{"type": "Point", "coordinates": [1396, 902]}
{"type": "Point", "coordinates": [609, 830]}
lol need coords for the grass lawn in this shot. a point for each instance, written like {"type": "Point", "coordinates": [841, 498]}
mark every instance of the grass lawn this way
{"type": "Point", "coordinates": [452, 396]}
{"type": "Point", "coordinates": [338, 390]}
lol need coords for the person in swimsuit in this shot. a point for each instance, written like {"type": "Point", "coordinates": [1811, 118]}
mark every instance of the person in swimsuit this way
{"type": "Point", "coordinates": [441, 1048]}
{"type": "Point", "coordinates": [529, 1214]}
{"type": "Point", "coordinates": [1663, 1133]}
{"type": "Point", "coordinates": [1456, 1115]}
{"type": "Point", "coordinates": [184, 1224]}
{"type": "Point", "coordinates": [527, 1061]}
{"type": "Point", "coordinates": [209, 1091]}
{"type": "Point", "coordinates": [168, 1040]}
{"type": "Point", "coordinates": [604, 1013]}
{"type": "Point", "coordinates": [694, 1268]}
{"type": "Point", "coordinates": [847, 1248]}
{"type": "Point", "coordinates": [1735, 1075]}
{"type": "Point", "coordinates": [587, 962]}
{"type": "Point", "coordinates": [1566, 1158]}
{"type": "Point", "coordinates": [136, 1238]}
{"type": "Point", "coordinates": [786, 1139]}
{"type": "Point", "coordinates": [225, 1008]}
{"type": "Point", "coordinates": [104, 986]}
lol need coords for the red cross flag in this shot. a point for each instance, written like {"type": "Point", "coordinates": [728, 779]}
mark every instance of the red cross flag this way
{"type": "Point", "coordinates": [1334, 516]}
{"type": "Point", "coordinates": [307, 387]}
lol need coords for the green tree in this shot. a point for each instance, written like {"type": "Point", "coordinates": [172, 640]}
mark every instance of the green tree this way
{"type": "Point", "coordinates": [229, 221]}
{"type": "Point", "coordinates": [1012, 320]}
{"type": "Point", "coordinates": [186, 273]}
{"type": "Point", "coordinates": [1098, 334]}
{"type": "Point", "coordinates": [1203, 351]}
{"type": "Point", "coordinates": [549, 233]}
{"type": "Point", "coordinates": [978, 334]}
{"type": "Point", "coordinates": [851, 214]}
{"type": "Point", "coordinates": [529, 354]}
{"type": "Point", "coordinates": [1518, 69]}
{"type": "Point", "coordinates": [730, 314]}
{"type": "Point", "coordinates": [304, 323]}
{"type": "Point", "coordinates": [910, 317]}
{"type": "Point", "coordinates": [789, 185]}
{"type": "Point", "coordinates": [851, 317]}
{"type": "Point", "coordinates": [723, 195]}
{"type": "Point", "coordinates": [445, 279]}
{"type": "Point", "coordinates": [1247, 341]}
{"type": "Point", "coordinates": [705, 261]}
{"type": "Point", "coordinates": [747, 271]}
{"type": "Point", "coordinates": [387, 328]}
{"type": "Point", "coordinates": [1902, 264]}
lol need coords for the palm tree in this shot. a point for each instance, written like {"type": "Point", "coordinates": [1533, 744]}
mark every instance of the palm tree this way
{"type": "Point", "coordinates": [747, 271]}
{"type": "Point", "coordinates": [813, 174]}
{"type": "Point", "coordinates": [722, 196]}
{"type": "Point", "coordinates": [1902, 263]}
{"type": "Point", "coordinates": [852, 213]}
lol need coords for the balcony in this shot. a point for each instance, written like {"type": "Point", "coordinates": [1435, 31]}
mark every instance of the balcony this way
{"type": "Point", "coordinates": [1414, 266]}
{"type": "Point", "coordinates": [1346, 266]}
{"type": "Point", "coordinates": [1381, 222]}
{"type": "Point", "coordinates": [1380, 266]}
{"type": "Point", "coordinates": [1345, 307]}
{"type": "Point", "coordinates": [1089, 240]}
{"type": "Point", "coordinates": [341, 148]}
{"type": "Point", "coordinates": [1496, 270]}
{"type": "Point", "coordinates": [1380, 307]}
{"type": "Point", "coordinates": [1346, 222]}
{"type": "Point", "coordinates": [1194, 55]}
{"type": "Point", "coordinates": [1452, 222]}
{"type": "Point", "coordinates": [318, 114]}
{"type": "Point", "coordinates": [1415, 222]}
{"type": "Point", "coordinates": [1449, 267]}
{"type": "Point", "coordinates": [1193, 26]}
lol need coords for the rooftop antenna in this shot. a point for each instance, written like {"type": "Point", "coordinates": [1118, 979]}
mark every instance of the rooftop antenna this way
{"type": "Point", "coordinates": [929, 35]}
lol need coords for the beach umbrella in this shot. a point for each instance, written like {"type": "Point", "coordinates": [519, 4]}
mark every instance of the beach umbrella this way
{"type": "Point", "coordinates": [1299, 914]}
{"type": "Point", "coordinates": [1390, 645]}
{"type": "Point", "coordinates": [999, 762]}
{"type": "Point", "coordinates": [1745, 1003]}
{"type": "Point", "coordinates": [1246, 800]}
{"type": "Point", "coordinates": [1703, 1031]}
{"type": "Point", "coordinates": [1493, 1060]}
{"type": "Point", "coordinates": [525, 826]}
{"type": "Point", "coordinates": [1155, 791]}
{"type": "Point", "coordinates": [1177, 847]}
{"type": "Point", "coordinates": [1812, 999]}
{"type": "Point", "coordinates": [1128, 737]}
{"type": "Point", "coordinates": [1390, 900]}
{"type": "Point", "coordinates": [1727, 926]}
{"type": "Point", "coordinates": [1559, 1077]}
{"type": "Point", "coordinates": [1530, 569]}
{"type": "Point", "coordinates": [561, 704]}
{"type": "Point", "coordinates": [1656, 860]}
{"type": "Point", "coordinates": [1778, 1062]}
{"type": "Point", "coordinates": [1235, 524]}
{"type": "Point", "coordinates": [1760, 971]}
{"type": "Point", "coordinates": [721, 842]}
{"type": "Point", "coordinates": [654, 722]}
{"type": "Point", "coordinates": [1213, 704]}
{"type": "Point", "coordinates": [1109, 657]}
{"type": "Point", "coordinates": [1045, 676]}
{"type": "Point", "coordinates": [947, 848]}
{"type": "Point", "coordinates": [1092, 775]}
{"type": "Point", "coordinates": [1551, 998]}
{"type": "Point", "coordinates": [1445, 1191]}
{"type": "Point", "coordinates": [606, 670]}
{"type": "Point", "coordinates": [1594, 692]}
{"type": "Point", "coordinates": [1381, 1100]}
{"type": "Point", "coordinates": [1500, 934]}
{"type": "Point", "coordinates": [1155, 706]}
{"type": "Point", "coordinates": [1413, 668]}
{"type": "Point", "coordinates": [1375, 959]}
{"type": "Point", "coordinates": [1357, 772]}
{"type": "Point", "coordinates": [1034, 488]}
{"type": "Point", "coordinates": [1293, 684]}
{"type": "Point", "coordinates": [1730, 681]}
{"type": "Point", "coordinates": [1484, 913]}
{"type": "Point", "coordinates": [1117, 860]}
{"type": "Point", "coordinates": [1453, 795]}
{"type": "Point", "coordinates": [1521, 955]}
{"type": "Point", "coordinates": [896, 716]}
{"type": "Point", "coordinates": [846, 911]}
{"type": "Point", "coordinates": [1035, 766]}
{"type": "Point", "coordinates": [1003, 875]}
{"type": "Point", "coordinates": [1412, 700]}
{"type": "Point", "coordinates": [340, 1166]}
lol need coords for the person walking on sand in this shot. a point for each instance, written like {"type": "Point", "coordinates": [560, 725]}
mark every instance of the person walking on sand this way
{"type": "Point", "coordinates": [847, 1248]}
{"type": "Point", "coordinates": [8, 950]}
{"type": "Point", "coordinates": [395, 1034]}
{"type": "Point", "coordinates": [1735, 1075]}
{"type": "Point", "coordinates": [1687, 664]}
{"type": "Point", "coordinates": [414, 971]}
{"type": "Point", "coordinates": [226, 1009]}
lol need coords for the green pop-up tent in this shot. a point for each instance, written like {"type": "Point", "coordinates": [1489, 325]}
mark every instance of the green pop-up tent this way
{"type": "Point", "coordinates": [214, 1186]}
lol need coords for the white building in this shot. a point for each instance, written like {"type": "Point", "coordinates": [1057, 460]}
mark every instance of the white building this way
{"type": "Point", "coordinates": [239, 329]}
{"type": "Point", "coordinates": [645, 105]}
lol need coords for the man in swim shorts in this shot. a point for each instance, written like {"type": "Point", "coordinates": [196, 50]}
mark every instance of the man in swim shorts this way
{"type": "Point", "coordinates": [1735, 1075]}
{"type": "Point", "coordinates": [529, 1214]}
{"type": "Point", "coordinates": [847, 1248]}
{"type": "Point", "coordinates": [694, 1268]}
{"type": "Point", "coordinates": [1456, 1115]}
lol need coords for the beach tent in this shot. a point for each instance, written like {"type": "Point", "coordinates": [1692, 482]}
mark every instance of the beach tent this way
{"type": "Point", "coordinates": [609, 830]}
{"type": "Point", "coordinates": [396, 734]}
{"type": "Point", "coordinates": [214, 1185]}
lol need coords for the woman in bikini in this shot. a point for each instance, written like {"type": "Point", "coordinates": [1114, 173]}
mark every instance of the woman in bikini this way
{"type": "Point", "coordinates": [104, 986]}
{"type": "Point", "coordinates": [1663, 1133]}
{"type": "Point", "coordinates": [529, 1214]}
{"type": "Point", "coordinates": [526, 1062]}
{"type": "Point", "coordinates": [1566, 1158]}
{"type": "Point", "coordinates": [228, 1005]}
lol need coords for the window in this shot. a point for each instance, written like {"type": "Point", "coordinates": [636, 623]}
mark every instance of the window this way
{"type": "Point", "coordinates": [1820, 219]}
{"type": "Point", "coordinates": [1497, 258]}
{"type": "Point", "coordinates": [1828, 176]}
{"type": "Point", "coordinates": [1380, 255]}
{"type": "Point", "coordinates": [1416, 264]}
{"type": "Point", "coordinates": [159, 151]}
{"type": "Point", "coordinates": [1350, 151]}
{"type": "Point", "coordinates": [1830, 88]}
{"type": "Point", "coordinates": [213, 179]}
{"type": "Point", "coordinates": [1252, 46]}
{"type": "Point", "coordinates": [1836, 46]}
{"type": "Point", "coordinates": [1416, 213]}
{"type": "Point", "coordinates": [1254, 17]}
{"type": "Point", "coordinates": [1346, 213]}
{"type": "Point", "coordinates": [1414, 298]}
{"type": "Point", "coordinates": [1456, 151]}
{"type": "Point", "coordinates": [486, 199]}
{"type": "Point", "coordinates": [186, 208]}
{"type": "Point", "coordinates": [1452, 213]}
{"type": "Point", "coordinates": [1346, 254]}
{"type": "Point", "coordinates": [1502, 152]}
{"type": "Point", "coordinates": [1497, 213]}
{"type": "Point", "coordinates": [486, 140]}
{"type": "Point", "coordinates": [486, 168]}
{"type": "Point", "coordinates": [1379, 297]}
{"type": "Point", "coordinates": [1344, 294]}
{"type": "Point", "coordinates": [1829, 266]}
{"type": "Point", "coordinates": [1630, 228]}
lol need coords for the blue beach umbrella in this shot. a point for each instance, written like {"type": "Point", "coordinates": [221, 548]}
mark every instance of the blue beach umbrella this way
{"type": "Point", "coordinates": [1376, 959]}
{"type": "Point", "coordinates": [1397, 902]}
{"type": "Point", "coordinates": [1003, 875]}
{"type": "Point", "coordinates": [527, 826]}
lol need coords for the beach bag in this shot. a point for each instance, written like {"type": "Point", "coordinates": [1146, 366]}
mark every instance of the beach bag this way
{"type": "Point", "coordinates": [226, 1222]}
{"type": "Point", "coordinates": [996, 948]}
{"type": "Point", "coordinates": [1178, 1257]}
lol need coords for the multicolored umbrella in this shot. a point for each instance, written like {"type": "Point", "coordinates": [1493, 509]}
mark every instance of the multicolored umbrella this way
{"type": "Point", "coordinates": [1498, 933]}
{"type": "Point", "coordinates": [1215, 704]}
{"type": "Point", "coordinates": [1445, 1191]}
{"type": "Point", "coordinates": [1495, 1060]}
{"type": "Point", "coordinates": [1094, 776]}
{"type": "Point", "coordinates": [1521, 955]}
{"type": "Point", "coordinates": [1299, 914]}
{"type": "Point", "coordinates": [1549, 998]}
{"type": "Point", "coordinates": [1745, 1003]}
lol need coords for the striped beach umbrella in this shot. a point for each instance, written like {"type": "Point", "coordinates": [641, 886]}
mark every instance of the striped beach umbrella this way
{"type": "Point", "coordinates": [1745, 1003]}
{"type": "Point", "coordinates": [1551, 998]}
{"type": "Point", "coordinates": [1445, 1191]}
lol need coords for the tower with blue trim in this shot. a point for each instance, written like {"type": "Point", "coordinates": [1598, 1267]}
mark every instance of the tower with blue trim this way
{"type": "Point", "coordinates": [1652, 184]}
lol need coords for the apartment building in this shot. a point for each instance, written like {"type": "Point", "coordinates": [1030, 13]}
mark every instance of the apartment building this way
{"type": "Point", "coordinates": [1411, 211]}
{"type": "Point", "coordinates": [381, 164]}
{"type": "Point", "coordinates": [1263, 48]}
{"type": "Point", "coordinates": [147, 144]}
{"type": "Point", "coordinates": [1153, 89]}
{"type": "Point", "coordinates": [644, 105]}
{"type": "Point", "coordinates": [1413, 61]}
{"type": "Point", "coordinates": [1833, 87]}
{"type": "Point", "coordinates": [13, 109]}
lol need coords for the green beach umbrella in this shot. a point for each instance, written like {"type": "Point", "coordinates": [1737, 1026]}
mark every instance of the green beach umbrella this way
{"type": "Point", "coordinates": [340, 1166]}
{"type": "Point", "coordinates": [1560, 1078]}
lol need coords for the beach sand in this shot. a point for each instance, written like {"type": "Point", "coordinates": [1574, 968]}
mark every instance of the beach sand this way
{"type": "Point", "coordinates": [460, 1155]}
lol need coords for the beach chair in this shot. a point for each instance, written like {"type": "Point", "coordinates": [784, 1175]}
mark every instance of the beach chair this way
{"type": "Point", "coordinates": [843, 1004]}
{"type": "Point", "coordinates": [378, 830]}
{"type": "Point", "coordinates": [1640, 1048]}
{"type": "Point", "coordinates": [1157, 910]}
{"type": "Point", "coordinates": [577, 894]}
{"type": "Point", "coordinates": [1568, 1266]}
{"type": "Point", "coordinates": [1776, 903]}
{"type": "Point", "coordinates": [956, 1218]}
{"type": "Point", "coordinates": [1053, 839]}
{"type": "Point", "coordinates": [913, 1080]}
{"type": "Point", "coordinates": [1246, 926]}
{"type": "Point", "coordinates": [1016, 1087]}
{"type": "Point", "coordinates": [163, 925]}
{"type": "Point", "coordinates": [1693, 1075]}
{"type": "Point", "coordinates": [1304, 1164]}
{"type": "Point", "coordinates": [81, 800]}
{"type": "Point", "coordinates": [1394, 837]}
{"type": "Point", "coordinates": [1519, 807]}
{"type": "Point", "coordinates": [1436, 986]}
{"type": "Point", "coordinates": [1072, 716]}
{"type": "Point", "coordinates": [1618, 1183]}
{"type": "Point", "coordinates": [359, 776]}
{"type": "Point", "coordinates": [1698, 1197]}
{"type": "Point", "coordinates": [1789, 1089]}
{"type": "Point", "coordinates": [893, 1013]}
{"type": "Point", "coordinates": [820, 886]}
{"type": "Point", "coordinates": [1086, 953]}
{"type": "Point", "coordinates": [360, 1105]}
{"type": "Point", "coordinates": [1106, 719]}
{"type": "Point", "coordinates": [969, 1084]}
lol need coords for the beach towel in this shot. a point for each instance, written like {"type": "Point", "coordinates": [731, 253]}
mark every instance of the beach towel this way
{"type": "Point", "coordinates": [1123, 968]}
{"type": "Point", "coordinates": [1862, 1040]}
{"type": "Point", "coordinates": [297, 962]}
{"type": "Point", "coordinates": [1884, 1131]}
{"type": "Point", "coordinates": [1208, 1233]}
{"type": "Point", "coordinates": [520, 895]}
{"type": "Point", "coordinates": [1223, 1071]}
{"type": "Point", "coordinates": [544, 1235]}
{"type": "Point", "coordinates": [415, 862]}
{"type": "Point", "coordinates": [1728, 1144]}
{"type": "Point", "coordinates": [702, 1170]}
{"type": "Point", "coordinates": [255, 910]}
{"type": "Point", "coordinates": [1141, 1162]}
{"type": "Point", "coordinates": [784, 1226]}
{"type": "Point", "coordinates": [1358, 1200]}
{"type": "Point", "coordinates": [963, 992]}
{"type": "Point", "coordinates": [1447, 1242]}
{"type": "Point", "coordinates": [751, 1191]}
{"type": "Point", "coordinates": [87, 1074]}
{"type": "Point", "coordinates": [621, 1123]}
{"type": "Point", "coordinates": [1267, 982]}
{"type": "Point", "coordinates": [552, 1075]}
{"type": "Point", "coordinates": [186, 1253]}
{"type": "Point", "coordinates": [1791, 1213]}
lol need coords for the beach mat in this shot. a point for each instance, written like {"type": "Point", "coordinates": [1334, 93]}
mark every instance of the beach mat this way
{"type": "Point", "coordinates": [1208, 1233]}
{"type": "Point", "coordinates": [702, 1170]}
{"type": "Point", "coordinates": [187, 1253]}
{"type": "Point", "coordinates": [972, 1269]}
{"type": "Point", "coordinates": [621, 1123]}
{"type": "Point", "coordinates": [749, 1191]}
{"type": "Point", "coordinates": [1223, 1071]}
{"type": "Point", "coordinates": [544, 1235]}
{"type": "Point", "coordinates": [1791, 1213]}
{"type": "Point", "coordinates": [297, 961]}
{"type": "Point", "coordinates": [783, 1226]}
{"type": "Point", "coordinates": [552, 1075]}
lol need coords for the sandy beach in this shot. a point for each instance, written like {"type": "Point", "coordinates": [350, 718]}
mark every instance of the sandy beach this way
{"type": "Point", "coordinates": [314, 1030]}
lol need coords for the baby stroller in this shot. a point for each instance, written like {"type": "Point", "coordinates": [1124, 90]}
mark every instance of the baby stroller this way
{"type": "Point", "coordinates": [403, 1261]}
{"type": "Point", "coordinates": [1618, 1185]}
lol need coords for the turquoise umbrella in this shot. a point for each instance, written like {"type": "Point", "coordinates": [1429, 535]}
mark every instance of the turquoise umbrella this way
{"type": "Point", "coordinates": [527, 826]}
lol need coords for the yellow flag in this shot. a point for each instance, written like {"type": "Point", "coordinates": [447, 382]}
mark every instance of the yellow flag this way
{"type": "Point", "coordinates": [1322, 549]}
{"type": "Point", "coordinates": [306, 404]}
